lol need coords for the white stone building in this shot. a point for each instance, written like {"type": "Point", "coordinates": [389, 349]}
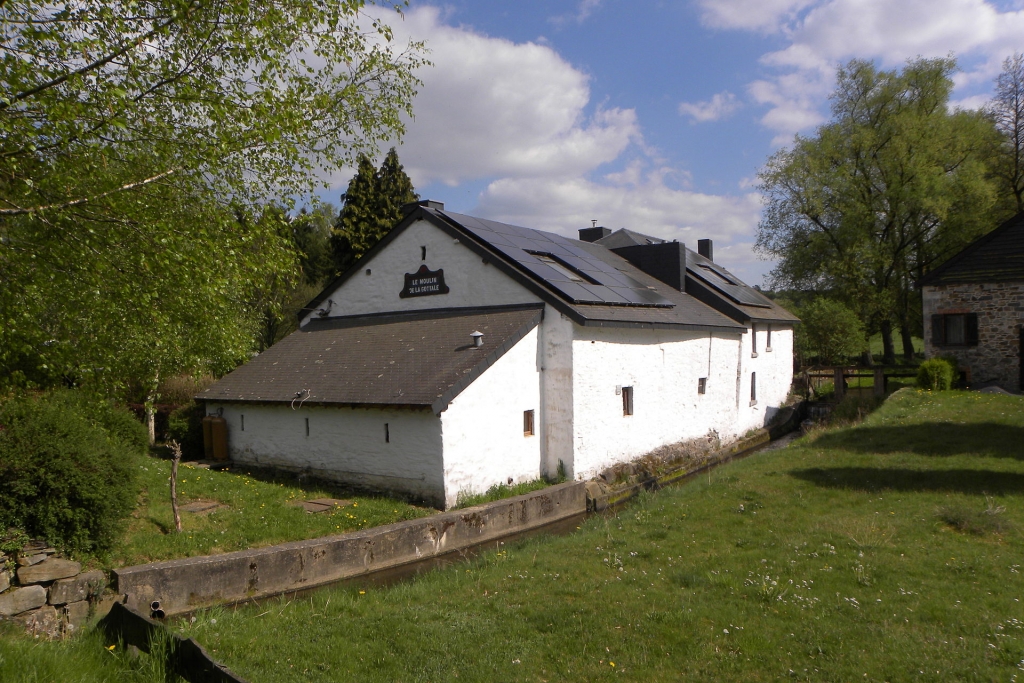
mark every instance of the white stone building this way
{"type": "Point", "coordinates": [460, 353]}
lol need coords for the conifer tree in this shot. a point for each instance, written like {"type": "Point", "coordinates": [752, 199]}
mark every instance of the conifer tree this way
{"type": "Point", "coordinates": [372, 205]}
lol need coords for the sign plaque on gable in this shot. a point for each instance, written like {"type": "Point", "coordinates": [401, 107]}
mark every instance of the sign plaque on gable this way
{"type": "Point", "coordinates": [424, 282]}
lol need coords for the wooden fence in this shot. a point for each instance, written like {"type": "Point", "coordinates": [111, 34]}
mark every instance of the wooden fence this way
{"type": "Point", "coordinates": [815, 377]}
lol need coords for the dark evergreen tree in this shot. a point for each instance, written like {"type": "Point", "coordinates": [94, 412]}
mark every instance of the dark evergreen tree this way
{"type": "Point", "coordinates": [372, 205]}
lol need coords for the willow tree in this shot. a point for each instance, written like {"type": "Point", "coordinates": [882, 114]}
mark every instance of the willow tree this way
{"type": "Point", "coordinates": [894, 183]}
{"type": "Point", "coordinates": [131, 134]}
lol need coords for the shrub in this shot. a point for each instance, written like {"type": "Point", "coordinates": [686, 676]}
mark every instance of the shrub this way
{"type": "Point", "coordinates": [185, 425]}
{"type": "Point", "coordinates": [830, 331]}
{"type": "Point", "coordinates": [68, 466]}
{"type": "Point", "coordinates": [936, 374]}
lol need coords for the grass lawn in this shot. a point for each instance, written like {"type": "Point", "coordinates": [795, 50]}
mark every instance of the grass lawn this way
{"type": "Point", "coordinates": [877, 348]}
{"type": "Point", "coordinates": [889, 551]}
{"type": "Point", "coordinates": [254, 512]}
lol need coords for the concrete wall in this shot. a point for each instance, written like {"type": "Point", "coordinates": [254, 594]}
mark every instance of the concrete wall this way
{"type": "Point", "coordinates": [187, 584]}
{"type": "Point", "coordinates": [470, 281]}
{"type": "Point", "coordinates": [482, 429]}
{"type": "Point", "coordinates": [1000, 309]}
{"type": "Point", "coordinates": [556, 394]}
{"type": "Point", "coordinates": [344, 444]}
{"type": "Point", "coordinates": [663, 367]}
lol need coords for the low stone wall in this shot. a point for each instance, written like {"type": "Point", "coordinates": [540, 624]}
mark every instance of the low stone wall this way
{"type": "Point", "coordinates": [184, 585]}
{"type": "Point", "coordinates": [45, 594]}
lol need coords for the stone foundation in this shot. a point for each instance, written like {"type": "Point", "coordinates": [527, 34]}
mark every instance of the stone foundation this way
{"type": "Point", "coordinates": [47, 595]}
{"type": "Point", "coordinates": [1000, 309]}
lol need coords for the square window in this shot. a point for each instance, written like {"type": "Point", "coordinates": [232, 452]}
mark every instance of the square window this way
{"type": "Point", "coordinates": [627, 400]}
{"type": "Point", "coordinates": [702, 385]}
{"type": "Point", "coordinates": [528, 425]}
{"type": "Point", "coordinates": [955, 329]}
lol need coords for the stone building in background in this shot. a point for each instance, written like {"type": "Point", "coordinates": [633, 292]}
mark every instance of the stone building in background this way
{"type": "Point", "coordinates": [974, 308]}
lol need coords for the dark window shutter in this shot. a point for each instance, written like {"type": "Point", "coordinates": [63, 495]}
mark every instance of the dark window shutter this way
{"type": "Point", "coordinates": [938, 330]}
{"type": "Point", "coordinates": [971, 329]}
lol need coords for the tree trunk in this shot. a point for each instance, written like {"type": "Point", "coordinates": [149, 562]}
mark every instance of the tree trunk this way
{"type": "Point", "coordinates": [151, 410]}
{"type": "Point", "coordinates": [888, 348]}
{"type": "Point", "coordinates": [908, 342]}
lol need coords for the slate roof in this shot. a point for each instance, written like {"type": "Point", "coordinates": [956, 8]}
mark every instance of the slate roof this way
{"type": "Point", "coordinates": [995, 257]}
{"type": "Point", "coordinates": [722, 290]}
{"type": "Point", "coordinates": [423, 358]}
{"type": "Point", "coordinates": [626, 238]}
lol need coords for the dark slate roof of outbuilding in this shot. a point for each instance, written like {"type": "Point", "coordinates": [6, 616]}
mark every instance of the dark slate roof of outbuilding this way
{"type": "Point", "coordinates": [422, 358]}
{"type": "Point", "coordinates": [995, 257]}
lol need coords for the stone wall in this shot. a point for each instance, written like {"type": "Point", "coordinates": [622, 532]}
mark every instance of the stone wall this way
{"type": "Point", "coordinates": [1000, 309]}
{"type": "Point", "coordinates": [45, 594]}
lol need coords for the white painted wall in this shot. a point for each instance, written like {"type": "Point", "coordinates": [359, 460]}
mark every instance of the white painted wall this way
{"type": "Point", "coordinates": [556, 402]}
{"type": "Point", "coordinates": [774, 376]}
{"type": "Point", "coordinates": [470, 282]}
{"type": "Point", "coordinates": [482, 429]}
{"type": "Point", "coordinates": [344, 444]}
{"type": "Point", "coordinates": [663, 367]}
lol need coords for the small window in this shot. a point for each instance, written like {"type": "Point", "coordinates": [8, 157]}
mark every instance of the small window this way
{"type": "Point", "coordinates": [627, 400]}
{"type": "Point", "coordinates": [955, 329]}
{"type": "Point", "coordinates": [242, 417]}
{"type": "Point", "coordinates": [528, 426]}
{"type": "Point", "coordinates": [307, 426]}
{"type": "Point", "coordinates": [387, 433]}
{"type": "Point", "coordinates": [753, 388]}
{"type": "Point", "coordinates": [702, 385]}
{"type": "Point", "coordinates": [423, 253]}
{"type": "Point", "coordinates": [368, 271]}
{"type": "Point", "coordinates": [768, 341]}
{"type": "Point", "coordinates": [564, 269]}
{"type": "Point", "coordinates": [753, 340]}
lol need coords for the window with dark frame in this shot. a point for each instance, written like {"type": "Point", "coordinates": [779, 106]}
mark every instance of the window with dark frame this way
{"type": "Point", "coordinates": [627, 400]}
{"type": "Point", "coordinates": [387, 433]}
{"type": "Point", "coordinates": [528, 428]}
{"type": "Point", "coordinates": [702, 385]}
{"type": "Point", "coordinates": [955, 329]}
{"type": "Point", "coordinates": [753, 388]}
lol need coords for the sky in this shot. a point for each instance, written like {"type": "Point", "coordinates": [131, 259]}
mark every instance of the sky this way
{"type": "Point", "coordinates": [654, 115]}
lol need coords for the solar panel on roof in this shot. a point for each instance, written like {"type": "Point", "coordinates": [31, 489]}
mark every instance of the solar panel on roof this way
{"type": "Point", "coordinates": [559, 262]}
{"type": "Point", "coordinates": [724, 283]}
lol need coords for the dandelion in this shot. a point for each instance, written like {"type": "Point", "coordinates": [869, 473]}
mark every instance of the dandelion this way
{"type": "Point", "coordinates": [111, 648]}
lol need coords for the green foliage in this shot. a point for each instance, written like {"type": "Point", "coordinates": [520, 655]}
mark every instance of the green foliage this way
{"type": "Point", "coordinates": [68, 466]}
{"type": "Point", "coordinates": [372, 205]}
{"type": "Point", "coordinates": [893, 185]}
{"type": "Point", "coordinates": [830, 332]}
{"type": "Point", "coordinates": [133, 135]}
{"type": "Point", "coordinates": [936, 374]}
{"type": "Point", "coordinates": [185, 425]}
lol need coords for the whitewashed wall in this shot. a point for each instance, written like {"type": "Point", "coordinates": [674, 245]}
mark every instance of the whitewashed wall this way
{"type": "Point", "coordinates": [774, 370]}
{"type": "Point", "coordinates": [663, 367]}
{"type": "Point", "coordinates": [344, 444]}
{"type": "Point", "coordinates": [470, 281]}
{"type": "Point", "coordinates": [482, 429]}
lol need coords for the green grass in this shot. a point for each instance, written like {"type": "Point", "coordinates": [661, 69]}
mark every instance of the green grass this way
{"type": "Point", "coordinates": [84, 659]}
{"type": "Point", "coordinates": [255, 513]}
{"type": "Point", "coordinates": [499, 492]}
{"type": "Point", "coordinates": [877, 348]}
{"type": "Point", "coordinates": [884, 552]}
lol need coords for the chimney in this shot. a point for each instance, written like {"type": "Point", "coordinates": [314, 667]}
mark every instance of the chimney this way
{"type": "Point", "coordinates": [593, 233]}
{"type": "Point", "coordinates": [665, 261]}
{"type": "Point", "coordinates": [478, 339]}
{"type": "Point", "coordinates": [425, 203]}
{"type": "Point", "coordinates": [706, 249]}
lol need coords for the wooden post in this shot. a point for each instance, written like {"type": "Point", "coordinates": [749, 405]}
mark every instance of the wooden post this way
{"type": "Point", "coordinates": [176, 450]}
{"type": "Point", "coordinates": [840, 388]}
{"type": "Point", "coordinates": [879, 382]}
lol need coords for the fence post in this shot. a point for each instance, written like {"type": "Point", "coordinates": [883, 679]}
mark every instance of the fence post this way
{"type": "Point", "coordinates": [879, 382]}
{"type": "Point", "coordinates": [840, 386]}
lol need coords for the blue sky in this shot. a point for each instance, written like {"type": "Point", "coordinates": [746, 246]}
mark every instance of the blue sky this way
{"type": "Point", "coordinates": [654, 115]}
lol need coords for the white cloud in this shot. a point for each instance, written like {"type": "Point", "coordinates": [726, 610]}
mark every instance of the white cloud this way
{"type": "Point", "coordinates": [584, 8]}
{"type": "Point", "coordinates": [718, 107]}
{"type": "Point", "coordinates": [821, 34]}
{"type": "Point", "coordinates": [491, 107]}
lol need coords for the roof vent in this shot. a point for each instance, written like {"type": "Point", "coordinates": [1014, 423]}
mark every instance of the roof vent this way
{"type": "Point", "coordinates": [425, 203]}
{"type": "Point", "coordinates": [478, 338]}
{"type": "Point", "coordinates": [706, 249]}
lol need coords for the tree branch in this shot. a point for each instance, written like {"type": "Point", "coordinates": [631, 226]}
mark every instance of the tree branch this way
{"type": "Point", "coordinates": [19, 211]}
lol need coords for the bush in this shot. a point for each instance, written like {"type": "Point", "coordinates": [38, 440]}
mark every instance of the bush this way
{"type": "Point", "coordinates": [185, 425]}
{"type": "Point", "coordinates": [936, 374]}
{"type": "Point", "coordinates": [68, 466]}
{"type": "Point", "coordinates": [830, 331]}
